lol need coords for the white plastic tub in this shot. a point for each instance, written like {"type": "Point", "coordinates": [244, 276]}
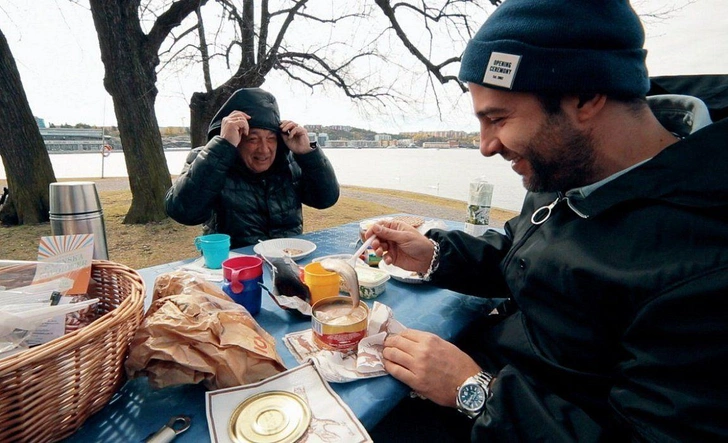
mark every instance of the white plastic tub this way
{"type": "Point", "coordinates": [372, 281]}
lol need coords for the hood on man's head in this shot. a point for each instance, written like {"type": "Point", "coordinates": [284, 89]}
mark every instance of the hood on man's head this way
{"type": "Point", "coordinates": [260, 105]}
{"type": "Point", "coordinates": [560, 46]}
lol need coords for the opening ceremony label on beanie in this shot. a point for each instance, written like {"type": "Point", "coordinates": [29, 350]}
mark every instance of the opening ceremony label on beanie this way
{"type": "Point", "coordinates": [501, 69]}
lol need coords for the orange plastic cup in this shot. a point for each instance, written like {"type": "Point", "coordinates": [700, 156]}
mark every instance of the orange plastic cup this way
{"type": "Point", "coordinates": [322, 283]}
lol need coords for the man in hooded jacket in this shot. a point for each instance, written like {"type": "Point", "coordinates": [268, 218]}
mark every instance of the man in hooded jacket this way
{"type": "Point", "coordinates": [252, 176]}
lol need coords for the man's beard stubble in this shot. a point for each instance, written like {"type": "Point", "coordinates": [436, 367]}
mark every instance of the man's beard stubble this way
{"type": "Point", "coordinates": [561, 157]}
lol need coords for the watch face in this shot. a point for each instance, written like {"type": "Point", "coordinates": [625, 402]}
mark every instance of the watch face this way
{"type": "Point", "coordinates": [472, 396]}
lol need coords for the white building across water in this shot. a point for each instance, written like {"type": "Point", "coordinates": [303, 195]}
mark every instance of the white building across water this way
{"type": "Point", "coordinates": [73, 139]}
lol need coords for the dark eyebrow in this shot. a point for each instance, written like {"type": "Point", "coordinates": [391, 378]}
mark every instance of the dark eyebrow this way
{"type": "Point", "coordinates": [485, 112]}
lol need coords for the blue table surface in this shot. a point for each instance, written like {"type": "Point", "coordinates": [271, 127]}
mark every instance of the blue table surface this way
{"type": "Point", "coordinates": [137, 411]}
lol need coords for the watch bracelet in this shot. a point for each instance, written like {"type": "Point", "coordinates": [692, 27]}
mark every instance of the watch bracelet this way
{"type": "Point", "coordinates": [484, 380]}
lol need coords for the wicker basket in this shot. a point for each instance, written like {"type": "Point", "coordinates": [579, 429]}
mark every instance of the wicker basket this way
{"type": "Point", "coordinates": [47, 392]}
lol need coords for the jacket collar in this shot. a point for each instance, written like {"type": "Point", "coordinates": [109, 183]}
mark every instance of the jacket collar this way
{"type": "Point", "coordinates": [689, 173]}
{"type": "Point", "coordinates": [680, 114]}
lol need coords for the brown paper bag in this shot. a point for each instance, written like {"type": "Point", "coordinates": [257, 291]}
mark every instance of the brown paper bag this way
{"type": "Point", "coordinates": [194, 332]}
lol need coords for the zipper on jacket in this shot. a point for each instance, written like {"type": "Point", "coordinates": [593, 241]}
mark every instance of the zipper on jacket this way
{"type": "Point", "coordinates": [543, 213]}
{"type": "Point", "coordinates": [538, 218]}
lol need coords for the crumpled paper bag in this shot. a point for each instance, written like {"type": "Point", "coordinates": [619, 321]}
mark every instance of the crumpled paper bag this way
{"type": "Point", "coordinates": [341, 367]}
{"type": "Point", "coordinates": [194, 333]}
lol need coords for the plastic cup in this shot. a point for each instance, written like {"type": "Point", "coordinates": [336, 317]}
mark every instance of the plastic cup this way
{"type": "Point", "coordinates": [215, 248]}
{"type": "Point", "coordinates": [242, 277]}
{"type": "Point", "coordinates": [238, 269]}
{"type": "Point", "coordinates": [322, 283]}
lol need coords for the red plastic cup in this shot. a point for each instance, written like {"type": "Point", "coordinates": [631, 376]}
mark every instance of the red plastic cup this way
{"type": "Point", "coordinates": [238, 269]}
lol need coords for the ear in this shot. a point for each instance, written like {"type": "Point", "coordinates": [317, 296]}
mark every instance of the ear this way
{"type": "Point", "coordinates": [586, 106]}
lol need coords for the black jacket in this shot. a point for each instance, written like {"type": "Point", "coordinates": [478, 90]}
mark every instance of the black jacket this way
{"type": "Point", "coordinates": [217, 189]}
{"type": "Point", "coordinates": [621, 322]}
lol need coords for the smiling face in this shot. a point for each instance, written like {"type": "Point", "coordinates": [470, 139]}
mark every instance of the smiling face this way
{"type": "Point", "coordinates": [547, 150]}
{"type": "Point", "coordinates": [258, 149]}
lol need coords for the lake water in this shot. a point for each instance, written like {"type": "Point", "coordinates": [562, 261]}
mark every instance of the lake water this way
{"type": "Point", "coordinates": [439, 172]}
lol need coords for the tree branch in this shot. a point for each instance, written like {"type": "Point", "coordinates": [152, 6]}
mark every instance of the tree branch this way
{"type": "Point", "coordinates": [328, 73]}
{"type": "Point", "coordinates": [435, 70]}
{"type": "Point", "coordinates": [170, 19]}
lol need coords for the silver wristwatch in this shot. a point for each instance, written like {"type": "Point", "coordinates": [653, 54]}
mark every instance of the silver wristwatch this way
{"type": "Point", "coordinates": [473, 393]}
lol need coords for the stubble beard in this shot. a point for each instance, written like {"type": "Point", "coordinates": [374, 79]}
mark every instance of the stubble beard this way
{"type": "Point", "coordinates": [561, 157]}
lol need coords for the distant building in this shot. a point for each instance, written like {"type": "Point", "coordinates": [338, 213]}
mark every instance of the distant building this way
{"type": "Point", "coordinates": [323, 138]}
{"type": "Point", "coordinates": [40, 122]}
{"type": "Point", "coordinates": [439, 134]}
{"type": "Point", "coordinates": [73, 139]}
{"type": "Point", "coordinates": [437, 145]}
{"type": "Point", "coordinates": [382, 137]}
{"type": "Point", "coordinates": [338, 144]}
{"type": "Point", "coordinates": [406, 143]}
{"type": "Point", "coordinates": [353, 144]}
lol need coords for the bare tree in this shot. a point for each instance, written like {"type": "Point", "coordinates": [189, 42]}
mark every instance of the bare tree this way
{"type": "Point", "coordinates": [27, 164]}
{"type": "Point", "coordinates": [266, 40]}
{"type": "Point", "coordinates": [130, 58]}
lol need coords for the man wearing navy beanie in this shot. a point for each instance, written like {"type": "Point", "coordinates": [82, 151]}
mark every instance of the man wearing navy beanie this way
{"type": "Point", "coordinates": [615, 274]}
{"type": "Point", "coordinates": [560, 46]}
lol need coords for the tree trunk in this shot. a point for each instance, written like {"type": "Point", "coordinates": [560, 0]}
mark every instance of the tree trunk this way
{"type": "Point", "coordinates": [27, 163]}
{"type": "Point", "coordinates": [146, 164]}
{"type": "Point", "coordinates": [203, 107]}
{"type": "Point", "coordinates": [130, 78]}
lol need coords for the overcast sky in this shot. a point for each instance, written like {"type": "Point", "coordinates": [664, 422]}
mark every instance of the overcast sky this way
{"type": "Point", "coordinates": [55, 46]}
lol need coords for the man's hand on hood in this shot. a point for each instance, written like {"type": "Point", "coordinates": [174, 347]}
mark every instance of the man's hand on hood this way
{"type": "Point", "coordinates": [295, 137]}
{"type": "Point", "coordinates": [234, 127]}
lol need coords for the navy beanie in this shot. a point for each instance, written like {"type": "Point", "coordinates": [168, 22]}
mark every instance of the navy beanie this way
{"type": "Point", "coordinates": [260, 105]}
{"type": "Point", "coordinates": [560, 46]}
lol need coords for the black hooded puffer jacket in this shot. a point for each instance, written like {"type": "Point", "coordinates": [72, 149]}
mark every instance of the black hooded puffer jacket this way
{"type": "Point", "coordinates": [217, 189]}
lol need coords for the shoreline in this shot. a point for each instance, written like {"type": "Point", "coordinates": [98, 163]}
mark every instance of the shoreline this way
{"type": "Point", "coordinates": [445, 173]}
{"type": "Point", "coordinates": [419, 204]}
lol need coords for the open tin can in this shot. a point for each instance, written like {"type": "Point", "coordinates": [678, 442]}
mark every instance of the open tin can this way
{"type": "Point", "coordinates": [335, 326]}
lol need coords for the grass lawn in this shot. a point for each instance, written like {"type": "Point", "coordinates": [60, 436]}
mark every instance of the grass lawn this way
{"type": "Point", "coordinates": [140, 246]}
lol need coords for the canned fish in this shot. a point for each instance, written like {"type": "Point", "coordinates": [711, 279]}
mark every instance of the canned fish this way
{"type": "Point", "coordinates": [267, 417]}
{"type": "Point", "coordinates": [335, 326]}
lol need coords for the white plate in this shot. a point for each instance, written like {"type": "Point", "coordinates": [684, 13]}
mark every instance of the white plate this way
{"type": "Point", "coordinates": [278, 247]}
{"type": "Point", "coordinates": [400, 274]}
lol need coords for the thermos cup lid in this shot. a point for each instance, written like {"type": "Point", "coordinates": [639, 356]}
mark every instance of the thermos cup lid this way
{"type": "Point", "coordinates": [73, 198]}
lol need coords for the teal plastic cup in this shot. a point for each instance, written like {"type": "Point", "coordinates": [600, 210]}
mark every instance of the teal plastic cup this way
{"type": "Point", "coordinates": [215, 248]}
